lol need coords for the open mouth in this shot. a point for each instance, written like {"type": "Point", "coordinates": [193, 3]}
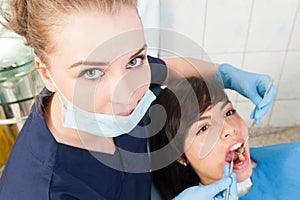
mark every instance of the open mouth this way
{"type": "Point", "coordinates": [238, 154]}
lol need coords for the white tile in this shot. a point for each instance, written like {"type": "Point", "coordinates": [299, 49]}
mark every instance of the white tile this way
{"type": "Point", "coordinates": [226, 25]}
{"type": "Point", "coordinates": [166, 14]}
{"type": "Point", "coordinates": [150, 15]}
{"type": "Point", "coordinates": [269, 63]}
{"type": "Point", "coordinates": [173, 43]}
{"type": "Point", "coordinates": [290, 80]}
{"type": "Point", "coordinates": [245, 109]}
{"type": "Point", "coordinates": [271, 24]}
{"type": "Point", "coordinates": [184, 17]}
{"type": "Point", "coordinates": [285, 113]}
{"type": "Point", "coordinates": [295, 40]}
{"type": "Point", "coordinates": [234, 59]}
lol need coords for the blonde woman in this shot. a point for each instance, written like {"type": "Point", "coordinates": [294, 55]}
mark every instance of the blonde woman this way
{"type": "Point", "coordinates": [85, 137]}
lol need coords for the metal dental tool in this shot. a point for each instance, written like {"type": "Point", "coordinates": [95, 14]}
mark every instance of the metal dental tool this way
{"type": "Point", "coordinates": [241, 150]}
{"type": "Point", "coordinates": [230, 171]}
{"type": "Point", "coordinates": [251, 128]}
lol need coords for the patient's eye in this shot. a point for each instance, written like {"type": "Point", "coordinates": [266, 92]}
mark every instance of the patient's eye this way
{"type": "Point", "coordinates": [202, 129]}
{"type": "Point", "coordinates": [230, 112]}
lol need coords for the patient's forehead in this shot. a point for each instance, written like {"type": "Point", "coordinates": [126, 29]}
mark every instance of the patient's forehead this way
{"type": "Point", "coordinates": [210, 110]}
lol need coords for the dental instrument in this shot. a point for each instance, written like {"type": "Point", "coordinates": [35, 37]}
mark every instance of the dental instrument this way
{"type": "Point", "coordinates": [230, 171]}
{"type": "Point", "coordinates": [239, 151]}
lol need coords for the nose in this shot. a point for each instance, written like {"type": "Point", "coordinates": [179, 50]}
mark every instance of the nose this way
{"type": "Point", "coordinates": [129, 86]}
{"type": "Point", "coordinates": [122, 92]}
{"type": "Point", "coordinates": [127, 92]}
{"type": "Point", "coordinates": [228, 131]}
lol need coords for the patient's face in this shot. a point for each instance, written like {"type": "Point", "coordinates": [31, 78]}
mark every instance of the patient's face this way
{"type": "Point", "coordinates": [210, 141]}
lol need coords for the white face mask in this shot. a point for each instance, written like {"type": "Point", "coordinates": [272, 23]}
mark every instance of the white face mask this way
{"type": "Point", "coordinates": [103, 124]}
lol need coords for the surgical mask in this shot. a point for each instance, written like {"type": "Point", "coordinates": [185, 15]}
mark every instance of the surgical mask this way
{"type": "Point", "coordinates": [103, 124]}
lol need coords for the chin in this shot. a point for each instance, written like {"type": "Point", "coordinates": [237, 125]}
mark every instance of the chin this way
{"type": "Point", "coordinates": [244, 174]}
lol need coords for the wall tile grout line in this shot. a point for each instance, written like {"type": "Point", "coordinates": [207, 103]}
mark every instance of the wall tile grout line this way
{"type": "Point", "coordinates": [250, 52]}
{"type": "Point", "coordinates": [247, 34]}
{"type": "Point", "coordinates": [277, 100]}
{"type": "Point", "coordinates": [204, 25]}
{"type": "Point", "coordinates": [285, 56]}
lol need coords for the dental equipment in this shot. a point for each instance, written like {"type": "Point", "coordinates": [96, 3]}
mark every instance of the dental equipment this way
{"type": "Point", "coordinates": [230, 171]}
{"type": "Point", "coordinates": [241, 150]}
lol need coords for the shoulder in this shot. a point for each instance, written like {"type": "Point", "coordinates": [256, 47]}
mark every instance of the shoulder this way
{"type": "Point", "coordinates": [31, 161]}
{"type": "Point", "coordinates": [276, 149]}
{"type": "Point", "coordinates": [158, 69]}
{"type": "Point", "coordinates": [35, 137]}
{"type": "Point", "coordinates": [26, 176]}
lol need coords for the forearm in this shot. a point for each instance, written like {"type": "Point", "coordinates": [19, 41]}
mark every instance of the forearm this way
{"type": "Point", "coordinates": [250, 85]}
{"type": "Point", "coordinates": [187, 67]}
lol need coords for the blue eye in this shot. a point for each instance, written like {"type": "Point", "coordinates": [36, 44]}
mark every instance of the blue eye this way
{"type": "Point", "coordinates": [91, 74]}
{"type": "Point", "coordinates": [136, 62]}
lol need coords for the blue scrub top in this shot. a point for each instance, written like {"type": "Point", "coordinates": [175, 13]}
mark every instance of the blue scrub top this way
{"type": "Point", "coordinates": [41, 168]}
{"type": "Point", "coordinates": [277, 175]}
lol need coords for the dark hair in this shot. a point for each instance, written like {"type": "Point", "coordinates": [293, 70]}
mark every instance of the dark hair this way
{"type": "Point", "coordinates": [183, 102]}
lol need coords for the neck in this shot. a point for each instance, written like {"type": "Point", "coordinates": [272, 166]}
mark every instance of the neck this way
{"type": "Point", "coordinates": [74, 137]}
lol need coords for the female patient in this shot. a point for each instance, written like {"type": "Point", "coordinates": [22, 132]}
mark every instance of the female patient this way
{"type": "Point", "coordinates": [203, 131]}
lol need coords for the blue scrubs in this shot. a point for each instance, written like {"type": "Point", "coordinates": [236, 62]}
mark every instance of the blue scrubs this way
{"type": "Point", "coordinates": [277, 175]}
{"type": "Point", "coordinates": [41, 168]}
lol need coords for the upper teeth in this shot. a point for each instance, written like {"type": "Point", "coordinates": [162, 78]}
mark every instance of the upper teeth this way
{"type": "Point", "coordinates": [236, 146]}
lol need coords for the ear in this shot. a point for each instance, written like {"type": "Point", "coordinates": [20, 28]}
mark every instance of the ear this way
{"type": "Point", "coordinates": [182, 161]}
{"type": "Point", "coordinates": [44, 74]}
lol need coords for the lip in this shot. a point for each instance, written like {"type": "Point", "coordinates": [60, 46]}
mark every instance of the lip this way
{"type": "Point", "coordinates": [235, 142]}
{"type": "Point", "coordinates": [243, 164]}
{"type": "Point", "coordinates": [228, 158]}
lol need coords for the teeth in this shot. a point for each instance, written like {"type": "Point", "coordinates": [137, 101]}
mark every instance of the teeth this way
{"type": "Point", "coordinates": [236, 146]}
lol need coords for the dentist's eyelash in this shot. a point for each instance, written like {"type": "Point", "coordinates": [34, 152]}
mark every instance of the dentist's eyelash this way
{"type": "Point", "coordinates": [84, 74]}
{"type": "Point", "coordinates": [133, 65]}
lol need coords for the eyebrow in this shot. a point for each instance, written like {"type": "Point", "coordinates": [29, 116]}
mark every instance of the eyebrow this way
{"type": "Point", "coordinates": [222, 107]}
{"type": "Point", "coordinates": [225, 104]}
{"type": "Point", "coordinates": [139, 51]}
{"type": "Point", "coordinates": [97, 63]}
{"type": "Point", "coordinates": [203, 118]}
{"type": "Point", "coordinates": [88, 63]}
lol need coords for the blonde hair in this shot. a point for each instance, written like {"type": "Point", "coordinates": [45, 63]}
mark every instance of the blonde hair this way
{"type": "Point", "coordinates": [34, 19]}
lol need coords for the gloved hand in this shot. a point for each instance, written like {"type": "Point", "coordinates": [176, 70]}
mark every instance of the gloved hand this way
{"type": "Point", "coordinates": [215, 191]}
{"type": "Point", "coordinates": [250, 85]}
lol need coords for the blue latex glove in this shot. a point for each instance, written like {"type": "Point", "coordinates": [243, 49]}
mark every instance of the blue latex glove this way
{"type": "Point", "coordinates": [215, 191]}
{"type": "Point", "coordinates": [250, 85]}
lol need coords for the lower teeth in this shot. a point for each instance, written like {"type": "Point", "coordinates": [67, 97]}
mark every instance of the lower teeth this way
{"type": "Point", "coordinates": [241, 157]}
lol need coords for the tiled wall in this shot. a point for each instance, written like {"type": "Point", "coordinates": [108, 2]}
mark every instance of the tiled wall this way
{"type": "Point", "coordinates": [261, 36]}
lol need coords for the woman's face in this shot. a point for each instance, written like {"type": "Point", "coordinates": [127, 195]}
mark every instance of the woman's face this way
{"type": "Point", "coordinates": [210, 140]}
{"type": "Point", "coordinates": [99, 62]}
